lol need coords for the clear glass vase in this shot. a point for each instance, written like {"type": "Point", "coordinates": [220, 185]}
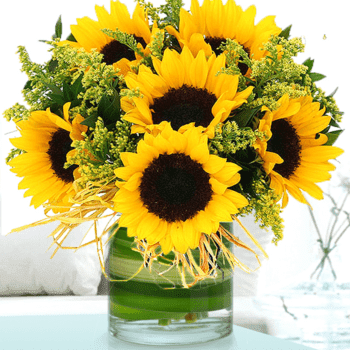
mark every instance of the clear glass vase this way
{"type": "Point", "coordinates": [312, 312]}
{"type": "Point", "coordinates": [154, 309]}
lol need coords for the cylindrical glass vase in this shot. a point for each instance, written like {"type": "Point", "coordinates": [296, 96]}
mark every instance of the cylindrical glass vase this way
{"type": "Point", "coordinates": [155, 309]}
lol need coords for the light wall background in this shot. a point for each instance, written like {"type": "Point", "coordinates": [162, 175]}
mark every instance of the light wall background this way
{"type": "Point", "coordinates": [323, 25]}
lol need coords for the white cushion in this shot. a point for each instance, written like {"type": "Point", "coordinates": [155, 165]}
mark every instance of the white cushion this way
{"type": "Point", "coordinates": [246, 284]}
{"type": "Point", "coordinates": [26, 267]}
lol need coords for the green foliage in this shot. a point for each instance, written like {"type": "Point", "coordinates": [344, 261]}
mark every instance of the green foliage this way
{"type": "Point", "coordinates": [245, 117]}
{"type": "Point", "coordinates": [277, 73]}
{"type": "Point", "coordinates": [153, 12]}
{"type": "Point", "coordinates": [16, 113]}
{"type": "Point", "coordinates": [91, 79]}
{"type": "Point", "coordinates": [68, 93]}
{"type": "Point", "coordinates": [266, 209]}
{"type": "Point", "coordinates": [157, 45]}
{"type": "Point", "coordinates": [108, 110]}
{"type": "Point", "coordinates": [333, 136]}
{"type": "Point", "coordinates": [171, 10]}
{"type": "Point", "coordinates": [286, 33]}
{"type": "Point", "coordinates": [230, 138]}
{"type": "Point", "coordinates": [98, 155]}
{"type": "Point", "coordinates": [58, 29]}
{"type": "Point", "coordinates": [168, 14]}
{"type": "Point", "coordinates": [14, 153]}
{"type": "Point", "coordinates": [235, 55]}
{"type": "Point", "coordinates": [326, 102]}
{"type": "Point", "coordinates": [309, 63]}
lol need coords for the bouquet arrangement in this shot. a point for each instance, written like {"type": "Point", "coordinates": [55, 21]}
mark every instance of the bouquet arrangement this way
{"type": "Point", "coordinates": [171, 122]}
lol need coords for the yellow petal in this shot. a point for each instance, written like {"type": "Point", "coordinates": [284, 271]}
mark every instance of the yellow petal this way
{"type": "Point", "coordinates": [178, 141]}
{"type": "Point", "coordinates": [215, 18]}
{"type": "Point", "coordinates": [166, 244]}
{"type": "Point", "coordinates": [129, 206]}
{"type": "Point", "coordinates": [202, 222]}
{"type": "Point", "coordinates": [148, 224]}
{"type": "Point", "coordinates": [200, 153]}
{"type": "Point", "coordinates": [214, 164]}
{"type": "Point", "coordinates": [312, 174]}
{"type": "Point", "coordinates": [236, 198]}
{"type": "Point", "coordinates": [226, 173]}
{"type": "Point", "coordinates": [225, 203]}
{"type": "Point", "coordinates": [245, 26]}
{"type": "Point", "coordinates": [199, 71]}
{"type": "Point", "coordinates": [217, 186]}
{"type": "Point", "coordinates": [124, 173]}
{"type": "Point", "coordinates": [130, 220]}
{"type": "Point", "coordinates": [159, 233]}
{"type": "Point", "coordinates": [191, 234]}
{"type": "Point", "coordinates": [177, 237]}
{"type": "Point", "coordinates": [272, 157]}
{"type": "Point", "coordinates": [307, 186]}
{"type": "Point", "coordinates": [217, 211]}
{"type": "Point", "coordinates": [320, 153]}
{"type": "Point", "coordinates": [172, 69]}
{"type": "Point", "coordinates": [134, 182]}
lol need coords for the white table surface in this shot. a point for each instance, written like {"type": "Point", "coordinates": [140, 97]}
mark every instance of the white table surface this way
{"type": "Point", "coordinates": [74, 323]}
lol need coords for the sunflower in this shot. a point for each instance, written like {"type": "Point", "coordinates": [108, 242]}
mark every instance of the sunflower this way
{"type": "Point", "coordinates": [88, 34]}
{"type": "Point", "coordinates": [209, 25]}
{"type": "Point", "coordinates": [46, 139]}
{"type": "Point", "coordinates": [294, 153]}
{"type": "Point", "coordinates": [174, 190]}
{"type": "Point", "coordinates": [185, 91]}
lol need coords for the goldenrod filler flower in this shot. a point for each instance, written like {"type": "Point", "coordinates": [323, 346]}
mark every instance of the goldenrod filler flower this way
{"type": "Point", "coordinates": [88, 34]}
{"type": "Point", "coordinates": [174, 190]}
{"type": "Point", "coordinates": [209, 25]}
{"type": "Point", "coordinates": [294, 153]}
{"type": "Point", "coordinates": [186, 90]}
{"type": "Point", "coordinates": [46, 138]}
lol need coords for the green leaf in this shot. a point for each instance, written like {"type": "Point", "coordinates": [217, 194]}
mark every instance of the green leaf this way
{"type": "Point", "coordinates": [28, 85]}
{"type": "Point", "coordinates": [90, 121]}
{"type": "Point", "coordinates": [77, 87]}
{"type": "Point", "coordinates": [53, 64]}
{"type": "Point", "coordinates": [67, 93]}
{"type": "Point", "coordinates": [325, 131]}
{"type": "Point", "coordinates": [245, 117]}
{"type": "Point", "coordinates": [316, 76]}
{"type": "Point", "coordinates": [109, 109]}
{"type": "Point", "coordinates": [57, 98]}
{"type": "Point", "coordinates": [75, 103]}
{"type": "Point", "coordinates": [56, 109]}
{"type": "Point", "coordinates": [286, 32]}
{"type": "Point", "coordinates": [333, 136]}
{"type": "Point", "coordinates": [70, 37]}
{"type": "Point", "coordinates": [54, 89]}
{"type": "Point", "coordinates": [333, 93]}
{"type": "Point", "coordinates": [58, 29]}
{"type": "Point", "coordinates": [334, 123]}
{"type": "Point", "coordinates": [309, 63]}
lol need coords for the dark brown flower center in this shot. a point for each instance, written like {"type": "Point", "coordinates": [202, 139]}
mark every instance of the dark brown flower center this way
{"type": "Point", "coordinates": [184, 105]}
{"type": "Point", "coordinates": [114, 51]}
{"type": "Point", "coordinates": [59, 146]}
{"type": "Point", "coordinates": [286, 143]}
{"type": "Point", "coordinates": [175, 188]}
{"type": "Point", "coordinates": [215, 43]}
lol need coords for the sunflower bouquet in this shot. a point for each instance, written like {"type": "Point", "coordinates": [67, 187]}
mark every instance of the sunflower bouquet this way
{"type": "Point", "coordinates": [171, 123]}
